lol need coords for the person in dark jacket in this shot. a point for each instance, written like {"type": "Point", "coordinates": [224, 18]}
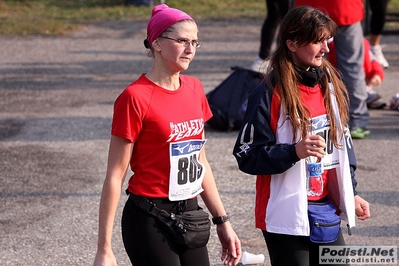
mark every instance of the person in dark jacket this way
{"type": "Point", "coordinates": [295, 118]}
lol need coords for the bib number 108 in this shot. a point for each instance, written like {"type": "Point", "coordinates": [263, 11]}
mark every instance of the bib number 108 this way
{"type": "Point", "coordinates": [189, 169]}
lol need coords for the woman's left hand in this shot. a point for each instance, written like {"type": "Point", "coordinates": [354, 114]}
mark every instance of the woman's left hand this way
{"type": "Point", "coordinates": [362, 208]}
{"type": "Point", "coordinates": [231, 245]}
{"type": "Point", "coordinates": [374, 80]}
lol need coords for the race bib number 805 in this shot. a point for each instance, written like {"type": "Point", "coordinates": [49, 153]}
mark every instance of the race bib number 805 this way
{"type": "Point", "coordinates": [186, 172]}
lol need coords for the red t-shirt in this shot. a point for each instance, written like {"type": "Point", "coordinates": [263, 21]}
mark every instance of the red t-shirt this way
{"type": "Point", "coordinates": [313, 100]}
{"type": "Point", "coordinates": [342, 12]}
{"type": "Point", "coordinates": [152, 117]}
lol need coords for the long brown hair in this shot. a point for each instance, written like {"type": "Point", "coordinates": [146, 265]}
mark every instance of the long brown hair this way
{"type": "Point", "coordinates": [304, 25]}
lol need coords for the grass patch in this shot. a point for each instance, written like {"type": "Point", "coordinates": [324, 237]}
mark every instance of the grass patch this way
{"type": "Point", "coordinates": [58, 17]}
{"type": "Point", "coordinates": [54, 17]}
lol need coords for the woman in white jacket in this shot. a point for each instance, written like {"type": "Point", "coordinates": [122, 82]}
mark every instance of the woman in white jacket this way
{"type": "Point", "coordinates": [296, 115]}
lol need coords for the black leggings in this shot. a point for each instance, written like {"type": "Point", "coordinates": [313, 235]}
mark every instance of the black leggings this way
{"type": "Point", "coordinates": [378, 13]}
{"type": "Point", "coordinates": [295, 250]}
{"type": "Point", "coordinates": [276, 10]}
{"type": "Point", "coordinates": [146, 244]}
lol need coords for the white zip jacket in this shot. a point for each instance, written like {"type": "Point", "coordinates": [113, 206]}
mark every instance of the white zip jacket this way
{"type": "Point", "coordinates": [265, 148]}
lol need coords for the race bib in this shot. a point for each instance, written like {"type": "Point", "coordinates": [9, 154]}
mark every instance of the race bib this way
{"type": "Point", "coordinates": [186, 172]}
{"type": "Point", "coordinates": [321, 127]}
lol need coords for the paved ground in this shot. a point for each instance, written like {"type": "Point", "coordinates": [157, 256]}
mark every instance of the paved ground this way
{"type": "Point", "coordinates": [56, 97]}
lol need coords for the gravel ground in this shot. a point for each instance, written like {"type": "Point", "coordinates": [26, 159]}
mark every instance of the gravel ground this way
{"type": "Point", "coordinates": [56, 96]}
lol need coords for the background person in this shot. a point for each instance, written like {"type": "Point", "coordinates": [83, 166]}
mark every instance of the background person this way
{"type": "Point", "coordinates": [377, 22]}
{"type": "Point", "coordinates": [348, 15]}
{"type": "Point", "coordinates": [276, 10]}
{"type": "Point", "coordinates": [374, 74]}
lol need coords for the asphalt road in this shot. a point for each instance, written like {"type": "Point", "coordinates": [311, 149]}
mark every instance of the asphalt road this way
{"type": "Point", "coordinates": [56, 96]}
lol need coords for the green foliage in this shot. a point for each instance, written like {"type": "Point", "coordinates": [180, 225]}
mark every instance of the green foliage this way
{"type": "Point", "coordinates": [53, 17]}
{"type": "Point", "coordinates": [58, 17]}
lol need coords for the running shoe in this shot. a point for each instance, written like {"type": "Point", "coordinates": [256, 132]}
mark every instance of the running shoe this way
{"type": "Point", "coordinates": [376, 104]}
{"type": "Point", "coordinates": [377, 51]}
{"type": "Point", "coordinates": [359, 133]}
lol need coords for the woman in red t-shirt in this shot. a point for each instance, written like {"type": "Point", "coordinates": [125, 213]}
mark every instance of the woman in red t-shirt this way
{"type": "Point", "coordinates": [158, 129]}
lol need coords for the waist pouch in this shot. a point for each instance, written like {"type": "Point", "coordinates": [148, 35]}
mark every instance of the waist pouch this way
{"type": "Point", "coordinates": [325, 224]}
{"type": "Point", "coordinates": [186, 228]}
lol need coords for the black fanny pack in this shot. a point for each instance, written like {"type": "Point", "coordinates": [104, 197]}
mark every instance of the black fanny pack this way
{"type": "Point", "coordinates": [187, 228]}
{"type": "Point", "coordinates": [325, 224]}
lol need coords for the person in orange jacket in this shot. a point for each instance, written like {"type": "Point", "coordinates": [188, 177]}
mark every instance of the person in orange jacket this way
{"type": "Point", "coordinates": [374, 73]}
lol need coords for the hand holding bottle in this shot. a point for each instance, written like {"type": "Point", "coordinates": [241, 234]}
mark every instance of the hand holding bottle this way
{"type": "Point", "coordinates": [312, 148]}
{"type": "Point", "coordinates": [311, 145]}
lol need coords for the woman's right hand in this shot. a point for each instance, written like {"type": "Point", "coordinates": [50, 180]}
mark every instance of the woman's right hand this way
{"type": "Point", "coordinates": [105, 259]}
{"type": "Point", "coordinates": [231, 245]}
{"type": "Point", "coordinates": [311, 145]}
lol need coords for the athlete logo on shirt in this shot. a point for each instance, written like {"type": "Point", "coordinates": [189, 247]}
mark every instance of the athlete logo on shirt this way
{"type": "Point", "coordinates": [185, 129]}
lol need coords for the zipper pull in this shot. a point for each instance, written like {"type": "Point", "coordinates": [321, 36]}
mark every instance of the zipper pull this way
{"type": "Point", "coordinates": [172, 216]}
{"type": "Point", "coordinates": [349, 230]}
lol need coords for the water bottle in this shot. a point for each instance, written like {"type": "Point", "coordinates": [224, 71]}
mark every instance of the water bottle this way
{"type": "Point", "coordinates": [314, 178]}
{"type": "Point", "coordinates": [314, 170]}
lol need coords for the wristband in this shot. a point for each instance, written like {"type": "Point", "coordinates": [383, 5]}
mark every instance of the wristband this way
{"type": "Point", "coordinates": [220, 219]}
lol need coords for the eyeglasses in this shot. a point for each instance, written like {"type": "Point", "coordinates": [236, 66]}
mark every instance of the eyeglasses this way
{"type": "Point", "coordinates": [185, 42]}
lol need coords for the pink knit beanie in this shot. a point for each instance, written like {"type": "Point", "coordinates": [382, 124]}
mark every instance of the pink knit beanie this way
{"type": "Point", "coordinates": [162, 18]}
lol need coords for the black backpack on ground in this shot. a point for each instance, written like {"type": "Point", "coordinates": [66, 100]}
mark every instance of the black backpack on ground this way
{"type": "Point", "coordinates": [228, 101]}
